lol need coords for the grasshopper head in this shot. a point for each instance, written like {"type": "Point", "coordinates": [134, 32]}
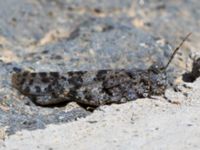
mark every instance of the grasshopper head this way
{"type": "Point", "coordinates": [157, 73]}
{"type": "Point", "coordinates": [156, 68]}
{"type": "Point", "coordinates": [158, 79]}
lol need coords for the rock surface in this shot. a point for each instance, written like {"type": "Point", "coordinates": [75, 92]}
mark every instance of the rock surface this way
{"type": "Point", "coordinates": [142, 124]}
{"type": "Point", "coordinates": [63, 35]}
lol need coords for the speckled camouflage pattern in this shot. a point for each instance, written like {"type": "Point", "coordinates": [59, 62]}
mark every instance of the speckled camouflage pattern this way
{"type": "Point", "coordinates": [92, 88]}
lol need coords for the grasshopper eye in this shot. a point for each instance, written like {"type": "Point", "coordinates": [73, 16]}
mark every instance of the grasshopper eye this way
{"type": "Point", "coordinates": [156, 68]}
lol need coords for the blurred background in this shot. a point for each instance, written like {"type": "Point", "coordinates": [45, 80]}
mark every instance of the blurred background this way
{"type": "Point", "coordinates": [63, 35]}
{"type": "Point", "coordinates": [84, 34]}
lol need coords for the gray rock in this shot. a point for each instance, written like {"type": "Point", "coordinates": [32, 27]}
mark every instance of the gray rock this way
{"type": "Point", "coordinates": [60, 35]}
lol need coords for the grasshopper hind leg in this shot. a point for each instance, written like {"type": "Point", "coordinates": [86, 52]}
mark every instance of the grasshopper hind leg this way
{"type": "Point", "coordinates": [47, 100]}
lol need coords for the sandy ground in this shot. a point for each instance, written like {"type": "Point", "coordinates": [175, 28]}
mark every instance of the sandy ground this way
{"type": "Point", "coordinates": [142, 124]}
{"type": "Point", "coordinates": [66, 35]}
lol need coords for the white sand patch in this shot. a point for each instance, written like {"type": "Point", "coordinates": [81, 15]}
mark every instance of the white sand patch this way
{"type": "Point", "coordinates": [142, 124]}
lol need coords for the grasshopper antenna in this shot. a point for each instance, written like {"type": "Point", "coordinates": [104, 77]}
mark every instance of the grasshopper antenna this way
{"type": "Point", "coordinates": [176, 50]}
